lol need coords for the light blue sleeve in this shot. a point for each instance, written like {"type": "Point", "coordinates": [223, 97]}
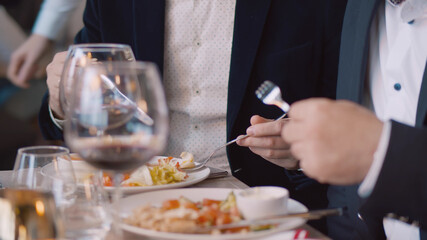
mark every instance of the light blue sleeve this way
{"type": "Point", "coordinates": [53, 16]}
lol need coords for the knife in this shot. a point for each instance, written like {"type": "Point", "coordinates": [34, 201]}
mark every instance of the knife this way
{"type": "Point", "coordinates": [310, 215]}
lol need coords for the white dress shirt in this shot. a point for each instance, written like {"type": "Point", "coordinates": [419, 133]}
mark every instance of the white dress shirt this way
{"type": "Point", "coordinates": [197, 54]}
{"type": "Point", "coordinates": [397, 57]}
{"type": "Point", "coordinates": [53, 17]}
{"type": "Point", "coordinates": [198, 39]}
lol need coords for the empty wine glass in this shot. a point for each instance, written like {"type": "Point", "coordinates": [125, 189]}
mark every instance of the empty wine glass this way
{"type": "Point", "coordinates": [45, 168]}
{"type": "Point", "coordinates": [42, 173]}
{"type": "Point", "coordinates": [79, 55]}
{"type": "Point", "coordinates": [80, 204]}
{"type": "Point", "coordinates": [102, 125]}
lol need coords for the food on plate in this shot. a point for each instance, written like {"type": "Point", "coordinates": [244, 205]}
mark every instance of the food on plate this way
{"type": "Point", "coordinates": [165, 171]}
{"type": "Point", "coordinates": [187, 160]}
{"type": "Point", "coordinates": [140, 177]}
{"type": "Point", "coordinates": [75, 156]}
{"type": "Point", "coordinates": [184, 216]}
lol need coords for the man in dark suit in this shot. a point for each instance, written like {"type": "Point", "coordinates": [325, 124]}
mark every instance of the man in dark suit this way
{"type": "Point", "coordinates": [343, 143]}
{"type": "Point", "coordinates": [293, 43]}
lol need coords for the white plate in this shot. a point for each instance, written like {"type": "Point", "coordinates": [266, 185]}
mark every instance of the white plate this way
{"type": "Point", "coordinates": [193, 178]}
{"type": "Point", "coordinates": [197, 194]}
{"type": "Point", "coordinates": [84, 169]}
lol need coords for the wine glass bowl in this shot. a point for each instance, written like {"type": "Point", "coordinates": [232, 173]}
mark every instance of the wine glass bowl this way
{"type": "Point", "coordinates": [79, 55]}
{"type": "Point", "coordinates": [117, 118]}
{"type": "Point", "coordinates": [103, 127]}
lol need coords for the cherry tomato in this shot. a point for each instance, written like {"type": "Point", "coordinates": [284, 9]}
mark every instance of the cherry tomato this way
{"type": "Point", "coordinates": [108, 182]}
{"type": "Point", "coordinates": [223, 218]}
{"type": "Point", "coordinates": [170, 204]}
{"type": "Point", "coordinates": [210, 202]}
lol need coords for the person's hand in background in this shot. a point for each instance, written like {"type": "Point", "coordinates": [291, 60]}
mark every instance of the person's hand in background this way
{"type": "Point", "coordinates": [334, 140]}
{"type": "Point", "coordinates": [24, 61]}
{"type": "Point", "coordinates": [265, 140]}
{"type": "Point", "coordinates": [54, 71]}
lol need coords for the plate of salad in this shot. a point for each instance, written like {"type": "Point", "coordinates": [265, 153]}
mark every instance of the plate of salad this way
{"type": "Point", "coordinates": [160, 173]}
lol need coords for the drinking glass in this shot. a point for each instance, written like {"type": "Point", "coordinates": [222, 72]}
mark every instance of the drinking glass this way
{"type": "Point", "coordinates": [88, 216]}
{"type": "Point", "coordinates": [29, 214]}
{"type": "Point", "coordinates": [79, 55]}
{"type": "Point", "coordinates": [118, 118]}
{"type": "Point", "coordinates": [43, 176]}
{"type": "Point", "coordinates": [80, 203]}
{"type": "Point", "coordinates": [45, 168]}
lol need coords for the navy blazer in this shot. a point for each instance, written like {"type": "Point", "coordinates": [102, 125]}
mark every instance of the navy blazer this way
{"type": "Point", "coordinates": [294, 43]}
{"type": "Point", "coordinates": [401, 188]}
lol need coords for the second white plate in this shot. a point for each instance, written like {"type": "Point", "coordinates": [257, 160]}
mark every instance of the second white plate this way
{"type": "Point", "coordinates": [128, 204]}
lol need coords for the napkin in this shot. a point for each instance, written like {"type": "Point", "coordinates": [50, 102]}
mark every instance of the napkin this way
{"type": "Point", "coordinates": [217, 173]}
{"type": "Point", "coordinates": [395, 230]}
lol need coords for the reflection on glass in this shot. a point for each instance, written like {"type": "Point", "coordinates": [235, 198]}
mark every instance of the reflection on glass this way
{"type": "Point", "coordinates": [80, 55]}
{"type": "Point", "coordinates": [29, 214]}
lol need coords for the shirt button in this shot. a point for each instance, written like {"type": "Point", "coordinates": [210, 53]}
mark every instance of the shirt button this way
{"type": "Point", "coordinates": [197, 91]}
{"type": "Point", "coordinates": [397, 86]}
{"type": "Point", "coordinates": [196, 126]}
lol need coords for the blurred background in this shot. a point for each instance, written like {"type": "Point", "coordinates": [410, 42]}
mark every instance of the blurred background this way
{"type": "Point", "coordinates": [19, 105]}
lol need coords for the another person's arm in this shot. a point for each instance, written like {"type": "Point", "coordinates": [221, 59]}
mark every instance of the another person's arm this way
{"type": "Point", "coordinates": [52, 18]}
{"type": "Point", "coordinates": [50, 111]}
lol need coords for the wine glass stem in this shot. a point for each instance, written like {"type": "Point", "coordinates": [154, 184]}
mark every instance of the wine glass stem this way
{"type": "Point", "coordinates": [117, 194]}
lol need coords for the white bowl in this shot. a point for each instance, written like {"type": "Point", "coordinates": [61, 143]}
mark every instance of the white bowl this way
{"type": "Point", "coordinates": [260, 202]}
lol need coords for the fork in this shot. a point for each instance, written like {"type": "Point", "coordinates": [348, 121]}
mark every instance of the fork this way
{"type": "Point", "coordinates": [269, 94]}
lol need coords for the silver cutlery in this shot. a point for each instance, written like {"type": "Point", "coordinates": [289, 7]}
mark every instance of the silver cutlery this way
{"type": "Point", "coordinates": [310, 215]}
{"type": "Point", "coordinates": [268, 93]}
{"type": "Point", "coordinates": [140, 114]}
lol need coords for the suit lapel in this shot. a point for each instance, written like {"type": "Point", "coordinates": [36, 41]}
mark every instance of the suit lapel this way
{"type": "Point", "coordinates": [250, 16]}
{"type": "Point", "coordinates": [421, 119]}
{"type": "Point", "coordinates": [148, 42]}
{"type": "Point", "coordinates": [355, 49]}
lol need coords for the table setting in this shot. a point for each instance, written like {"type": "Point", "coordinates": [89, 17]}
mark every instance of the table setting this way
{"type": "Point", "coordinates": [212, 186]}
{"type": "Point", "coordinates": [116, 131]}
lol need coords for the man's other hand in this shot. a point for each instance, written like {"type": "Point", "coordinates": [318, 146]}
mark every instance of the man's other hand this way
{"type": "Point", "coordinates": [334, 140]}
